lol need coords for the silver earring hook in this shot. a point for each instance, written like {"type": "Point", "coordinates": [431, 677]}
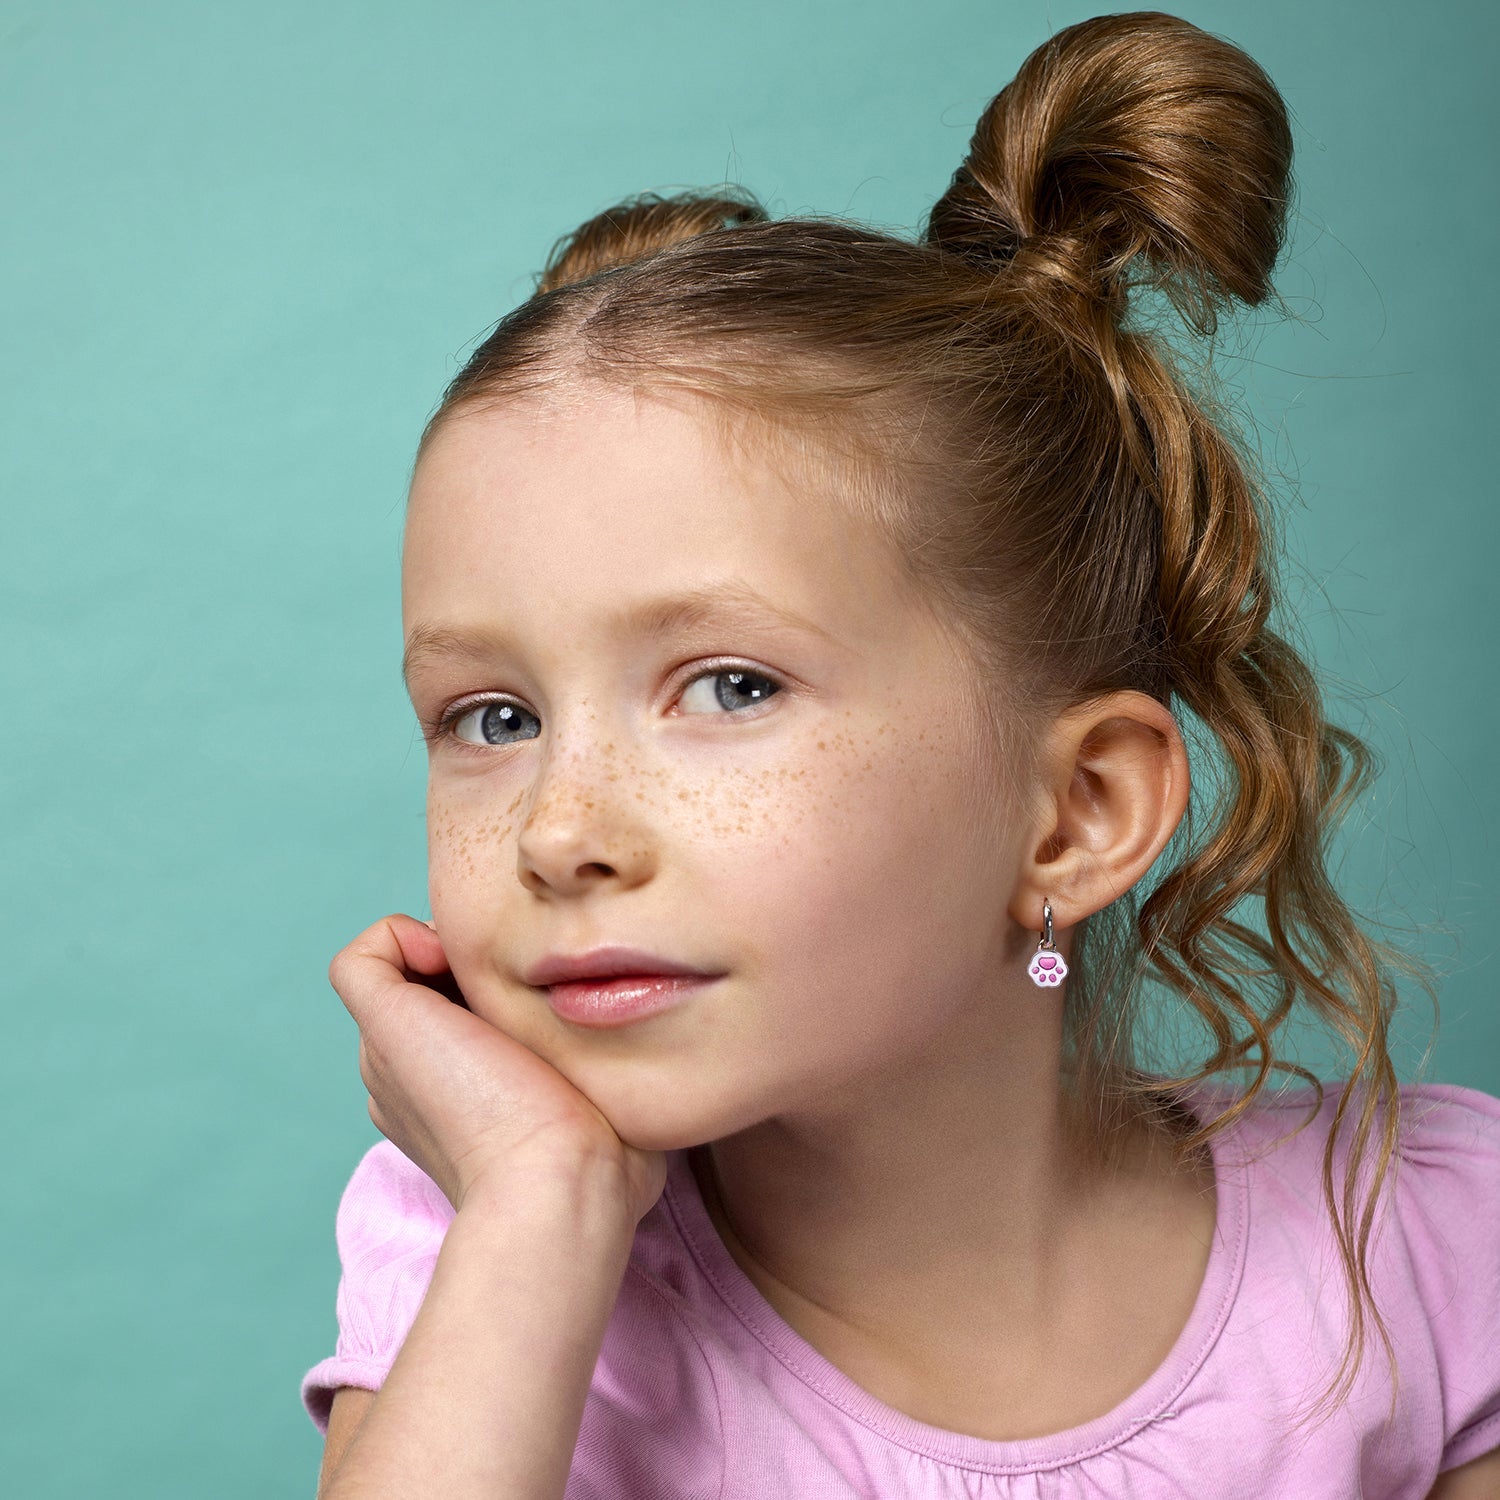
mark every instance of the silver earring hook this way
{"type": "Point", "coordinates": [1047, 966]}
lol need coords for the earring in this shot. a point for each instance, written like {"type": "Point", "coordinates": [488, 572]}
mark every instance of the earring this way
{"type": "Point", "coordinates": [1047, 966]}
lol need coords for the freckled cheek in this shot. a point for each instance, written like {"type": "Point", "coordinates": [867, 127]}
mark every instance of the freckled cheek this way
{"type": "Point", "coordinates": [836, 907]}
{"type": "Point", "coordinates": [811, 809]}
{"type": "Point", "coordinates": [883, 782]}
{"type": "Point", "coordinates": [749, 811]}
{"type": "Point", "coordinates": [868, 844]}
{"type": "Point", "coordinates": [466, 840]}
{"type": "Point", "coordinates": [798, 833]}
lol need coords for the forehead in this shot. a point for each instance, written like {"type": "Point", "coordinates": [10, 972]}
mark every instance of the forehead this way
{"type": "Point", "coordinates": [552, 508]}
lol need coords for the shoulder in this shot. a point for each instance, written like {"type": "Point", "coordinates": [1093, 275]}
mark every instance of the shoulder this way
{"type": "Point", "coordinates": [1434, 1249]}
{"type": "Point", "coordinates": [1448, 1136]}
{"type": "Point", "coordinates": [1449, 1128]}
{"type": "Point", "coordinates": [389, 1198]}
{"type": "Point", "coordinates": [1447, 1194]}
{"type": "Point", "coordinates": [1436, 1257]}
{"type": "Point", "coordinates": [390, 1226]}
{"type": "Point", "coordinates": [1447, 1197]}
{"type": "Point", "coordinates": [1444, 1176]}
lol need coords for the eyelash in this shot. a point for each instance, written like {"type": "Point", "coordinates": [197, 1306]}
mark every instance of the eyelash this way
{"type": "Point", "coordinates": [441, 728]}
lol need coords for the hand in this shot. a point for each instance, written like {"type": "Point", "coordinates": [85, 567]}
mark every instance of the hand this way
{"type": "Point", "coordinates": [462, 1099]}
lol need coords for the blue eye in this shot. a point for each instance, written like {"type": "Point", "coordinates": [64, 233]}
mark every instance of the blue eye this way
{"type": "Point", "coordinates": [744, 687]}
{"type": "Point", "coordinates": [497, 720]}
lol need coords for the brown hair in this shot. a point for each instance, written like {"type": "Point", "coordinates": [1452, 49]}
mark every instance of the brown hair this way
{"type": "Point", "coordinates": [1070, 493]}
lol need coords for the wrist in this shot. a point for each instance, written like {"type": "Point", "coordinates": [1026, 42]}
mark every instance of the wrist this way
{"type": "Point", "coordinates": [587, 1189]}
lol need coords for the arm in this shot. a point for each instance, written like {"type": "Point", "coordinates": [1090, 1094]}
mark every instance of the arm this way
{"type": "Point", "coordinates": [486, 1396]}
{"type": "Point", "coordinates": [347, 1411]}
{"type": "Point", "coordinates": [1479, 1479]}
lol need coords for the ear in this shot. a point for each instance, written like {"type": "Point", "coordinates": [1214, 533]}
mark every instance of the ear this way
{"type": "Point", "coordinates": [1114, 786]}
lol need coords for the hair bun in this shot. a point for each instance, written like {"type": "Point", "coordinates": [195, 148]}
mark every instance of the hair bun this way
{"type": "Point", "coordinates": [1131, 141]}
{"type": "Point", "coordinates": [640, 226]}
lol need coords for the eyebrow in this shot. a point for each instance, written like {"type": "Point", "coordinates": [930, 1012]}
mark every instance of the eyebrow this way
{"type": "Point", "coordinates": [647, 619]}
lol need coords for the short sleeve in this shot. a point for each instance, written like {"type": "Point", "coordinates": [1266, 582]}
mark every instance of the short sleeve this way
{"type": "Point", "coordinates": [1450, 1215]}
{"type": "Point", "coordinates": [389, 1228]}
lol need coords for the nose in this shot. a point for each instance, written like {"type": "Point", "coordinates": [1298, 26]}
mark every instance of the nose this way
{"type": "Point", "coordinates": [578, 833]}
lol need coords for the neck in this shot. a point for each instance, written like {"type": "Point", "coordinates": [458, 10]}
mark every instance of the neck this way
{"type": "Point", "coordinates": [930, 1199]}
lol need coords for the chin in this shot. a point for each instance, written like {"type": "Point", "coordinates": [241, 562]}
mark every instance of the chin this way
{"type": "Point", "coordinates": [654, 1128]}
{"type": "Point", "coordinates": [652, 1119]}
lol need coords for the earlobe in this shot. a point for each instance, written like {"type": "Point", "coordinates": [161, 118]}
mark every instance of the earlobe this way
{"type": "Point", "coordinates": [1121, 789]}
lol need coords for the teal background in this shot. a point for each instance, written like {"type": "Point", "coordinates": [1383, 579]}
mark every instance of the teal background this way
{"type": "Point", "coordinates": [245, 246]}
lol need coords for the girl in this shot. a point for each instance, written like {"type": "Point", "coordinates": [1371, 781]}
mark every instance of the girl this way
{"type": "Point", "coordinates": [804, 623]}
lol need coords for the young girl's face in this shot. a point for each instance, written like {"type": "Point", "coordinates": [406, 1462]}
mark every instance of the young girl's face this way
{"type": "Point", "coordinates": [819, 831]}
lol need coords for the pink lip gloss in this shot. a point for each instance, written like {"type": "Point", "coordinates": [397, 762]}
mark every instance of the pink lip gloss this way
{"type": "Point", "coordinates": [624, 998]}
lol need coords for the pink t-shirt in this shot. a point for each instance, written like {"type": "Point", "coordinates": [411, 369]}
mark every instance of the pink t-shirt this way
{"type": "Point", "coordinates": [701, 1390]}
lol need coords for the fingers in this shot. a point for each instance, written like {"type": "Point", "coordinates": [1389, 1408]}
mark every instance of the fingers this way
{"type": "Point", "coordinates": [421, 950]}
{"type": "Point", "coordinates": [371, 971]}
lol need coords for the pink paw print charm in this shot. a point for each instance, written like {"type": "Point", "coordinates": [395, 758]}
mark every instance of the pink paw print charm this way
{"type": "Point", "coordinates": [1047, 968]}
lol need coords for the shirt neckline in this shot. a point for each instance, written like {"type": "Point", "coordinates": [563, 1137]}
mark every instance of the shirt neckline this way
{"type": "Point", "coordinates": [1149, 1402]}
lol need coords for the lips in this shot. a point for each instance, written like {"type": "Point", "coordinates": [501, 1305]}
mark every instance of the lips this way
{"type": "Point", "coordinates": [603, 963]}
